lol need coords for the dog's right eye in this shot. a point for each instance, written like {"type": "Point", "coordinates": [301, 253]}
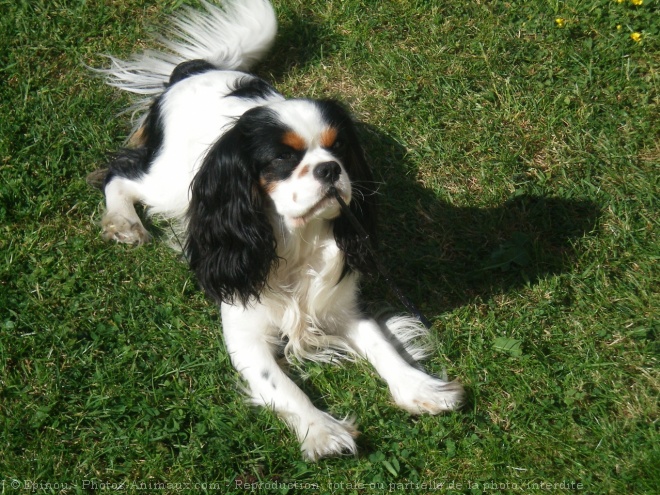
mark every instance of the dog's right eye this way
{"type": "Point", "coordinates": [286, 156]}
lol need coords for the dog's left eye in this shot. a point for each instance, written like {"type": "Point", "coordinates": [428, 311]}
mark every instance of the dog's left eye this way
{"type": "Point", "coordinates": [337, 145]}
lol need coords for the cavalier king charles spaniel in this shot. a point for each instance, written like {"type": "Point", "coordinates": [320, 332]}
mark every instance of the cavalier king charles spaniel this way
{"type": "Point", "coordinates": [250, 177]}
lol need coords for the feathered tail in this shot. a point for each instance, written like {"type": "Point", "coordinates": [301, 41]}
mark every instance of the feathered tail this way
{"type": "Point", "coordinates": [234, 36]}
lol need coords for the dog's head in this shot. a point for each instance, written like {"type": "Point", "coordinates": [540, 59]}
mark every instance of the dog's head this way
{"type": "Point", "coordinates": [276, 167]}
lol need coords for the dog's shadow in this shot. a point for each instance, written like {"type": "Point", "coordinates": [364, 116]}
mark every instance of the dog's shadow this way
{"type": "Point", "coordinates": [444, 256]}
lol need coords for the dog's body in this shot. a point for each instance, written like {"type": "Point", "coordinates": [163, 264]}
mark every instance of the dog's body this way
{"type": "Point", "coordinates": [248, 176]}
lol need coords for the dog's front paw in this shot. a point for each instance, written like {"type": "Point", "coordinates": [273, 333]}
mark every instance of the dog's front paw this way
{"type": "Point", "coordinates": [418, 393]}
{"type": "Point", "coordinates": [120, 229]}
{"type": "Point", "coordinates": [326, 436]}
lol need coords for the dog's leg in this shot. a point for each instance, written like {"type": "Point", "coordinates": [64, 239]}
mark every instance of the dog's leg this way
{"type": "Point", "coordinates": [252, 354]}
{"type": "Point", "coordinates": [121, 222]}
{"type": "Point", "coordinates": [411, 388]}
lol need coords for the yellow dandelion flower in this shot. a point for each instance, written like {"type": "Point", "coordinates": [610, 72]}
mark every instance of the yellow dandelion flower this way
{"type": "Point", "coordinates": [636, 37]}
{"type": "Point", "coordinates": [620, 1]}
{"type": "Point", "coordinates": [618, 27]}
{"type": "Point", "coordinates": [560, 22]}
{"type": "Point", "coordinates": [637, 2]}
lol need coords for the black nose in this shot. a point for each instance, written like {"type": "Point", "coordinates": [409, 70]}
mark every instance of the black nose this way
{"type": "Point", "coordinates": [327, 172]}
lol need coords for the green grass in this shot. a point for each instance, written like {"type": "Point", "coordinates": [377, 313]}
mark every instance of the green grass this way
{"type": "Point", "coordinates": [519, 157]}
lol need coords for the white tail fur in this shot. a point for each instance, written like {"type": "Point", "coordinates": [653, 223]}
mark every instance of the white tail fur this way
{"type": "Point", "coordinates": [234, 36]}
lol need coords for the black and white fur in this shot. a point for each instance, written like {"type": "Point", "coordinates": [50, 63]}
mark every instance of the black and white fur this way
{"type": "Point", "coordinates": [246, 175]}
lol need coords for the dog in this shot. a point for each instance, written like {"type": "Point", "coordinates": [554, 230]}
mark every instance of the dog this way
{"type": "Point", "coordinates": [250, 179]}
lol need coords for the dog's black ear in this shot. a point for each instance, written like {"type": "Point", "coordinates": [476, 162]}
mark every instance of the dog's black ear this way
{"type": "Point", "coordinates": [363, 203]}
{"type": "Point", "coordinates": [230, 242]}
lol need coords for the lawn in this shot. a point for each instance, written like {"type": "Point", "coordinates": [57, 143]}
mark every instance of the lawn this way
{"type": "Point", "coordinates": [518, 146]}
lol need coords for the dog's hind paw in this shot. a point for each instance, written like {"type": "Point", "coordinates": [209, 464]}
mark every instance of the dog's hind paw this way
{"type": "Point", "coordinates": [120, 229]}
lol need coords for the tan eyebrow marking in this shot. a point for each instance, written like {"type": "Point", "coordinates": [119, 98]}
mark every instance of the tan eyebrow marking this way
{"type": "Point", "coordinates": [328, 137]}
{"type": "Point", "coordinates": [294, 141]}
